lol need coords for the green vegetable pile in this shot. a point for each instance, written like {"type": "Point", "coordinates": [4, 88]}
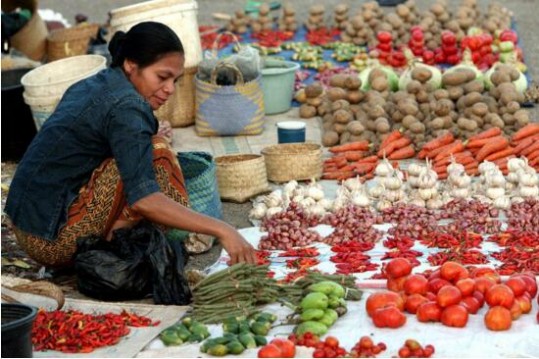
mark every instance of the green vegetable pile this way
{"type": "Point", "coordinates": [185, 331]}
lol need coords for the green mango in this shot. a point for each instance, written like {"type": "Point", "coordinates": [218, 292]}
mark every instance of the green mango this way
{"type": "Point", "coordinates": [261, 328]}
{"type": "Point", "coordinates": [218, 350]}
{"type": "Point", "coordinates": [230, 336]}
{"type": "Point", "coordinates": [195, 338]}
{"type": "Point", "coordinates": [244, 327]}
{"type": "Point", "coordinates": [199, 329]}
{"type": "Point", "coordinates": [314, 300]}
{"type": "Point", "coordinates": [332, 313]}
{"type": "Point", "coordinates": [333, 302]}
{"type": "Point", "coordinates": [235, 347]}
{"type": "Point", "coordinates": [266, 317]}
{"type": "Point", "coordinates": [260, 340]}
{"type": "Point", "coordinates": [316, 328]}
{"type": "Point", "coordinates": [170, 336]}
{"type": "Point", "coordinates": [233, 328]}
{"type": "Point", "coordinates": [187, 321]}
{"type": "Point", "coordinates": [328, 288]}
{"type": "Point", "coordinates": [222, 340]}
{"type": "Point", "coordinates": [183, 333]}
{"type": "Point", "coordinates": [207, 344]}
{"type": "Point", "coordinates": [311, 314]}
{"type": "Point", "coordinates": [248, 340]}
{"type": "Point", "coordinates": [327, 320]}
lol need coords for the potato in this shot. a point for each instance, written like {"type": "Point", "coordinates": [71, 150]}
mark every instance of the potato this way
{"type": "Point", "coordinates": [408, 120]}
{"type": "Point", "coordinates": [336, 93]}
{"type": "Point", "coordinates": [339, 128]}
{"type": "Point", "coordinates": [324, 108]}
{"type": "Point", "coordinates": [477, 119]}
{"type": "Point", "coordinates": [345, 138]}
{"type": "Point", "coordinates": [507, 97]}
{"type": "Point", "coordinates": [328, 117]}
{"type": "Point", "coordinates": [338, 80]}
{"type": "Point", "coordinates": [362, 116]}
{"type": "Point", "coordinates": [314, 90]}
{"type": "Point", "coordinates": [499, 77]}
{"type": "Point", "coordinates": [489, 117]}
{"type": "Point", "coordinates": [355, 128]}
{"type": "Point", "coordinates": [380, 84]}
{"type": "Point", "coordinates": [342, 116]}
{"type": "Point", "coordinates": [356, 138]}
{"type": "Point", "coordinates": [413, 87]}
{"type": "Point", "coordinates": [314, 101]}
{"type": "Point", "coordinates": [472, 98]}
{"type": "Point", "coordinates": [422, 96]}
{"type": "Point", "coordinates": [455, 92]}
{"type": "Point", "coordinates": [448, 122]}
{"type": "Point", "coordinates": [474, 86]}
{"type": "Point", "coordinates": [369, 125]}
{"type": "Point", "coordinates": [300, 96]}
{"type": "Point", "coordinates": [437, 123]}
{"type": "Point", "coordinates": [340, 105]}
{"type": "Point", "coordinates": [397, 116]}
{"type": "Point", "coordinates": [376, 73]}
{"type": "Point", "coordinates": [455, 78]}
{"type": "Point", "coordinates": [417, 127]}
{"type": "Point", "coordinates": [466, 124]}
{"type": "Point", "coordinates": [376, 111]}
{"type": "Point", "coordinates": [355, 109]}
{"type": "Point", "coordinates": [441, 94]}
{"type": "Point", "coordinates": [352, 82]}
{"type": "Point", "coordinates": [355, 97]}
{"type": "Point", "coordinates": [408, 107]}
{"type": "Point", "coordinates": [498, 122]}
{"type": "Point", "coordinates": [443, 107]}
{"type": "Point", "coordinates": [327, 126]}
{"type": "Point", "coordinates": [307, 111]}
{"type": "Point", "coordinates": [522, 117]}
{"type": "Point", "coordinates": [421, 74]}
{"type": "Point", "coordinates": [479, 109]}
{"type": "Point", "coordinates": [330, 138]}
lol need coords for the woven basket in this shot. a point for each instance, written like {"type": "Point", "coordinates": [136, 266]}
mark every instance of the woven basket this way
{"type": "Point", "coordinates": [180, 108]}
{"type": "Point", "coordinates": [70, 41]}
{"type": "Point", "coordinates": [293, 161]}
{"type": "Point", "coordinates": [241, 176]}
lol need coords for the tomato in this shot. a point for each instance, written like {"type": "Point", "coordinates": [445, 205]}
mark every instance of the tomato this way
{"type": "Point", "coordinates": [531, 283]}
{"type": "Point", "coordinates": [448, 295]}
{"type": "Point", "coordinates": [480, 298]}
{"type": "Point", "coordinates": [417, 44]}
{"type": "Point", "coordinates": [390, 317]}
{"type": "Point", "coordinates": [413, 301]}
{"type": "Point", "coordinates": [500, 294]}
{"type": "Point", "coordinates": [398, 267]}
{"type": "Point", "coordinates": [453, 271]}
{"type": "Point", "coordinates": [412, 344]}
{"type": "Point", "coordinates": [381, 299]}
{"type": "Point", "coordinates": [453, 59]}
{"type": "Point", "coordinates": [474, 43]}
{"type": "Point", "coordinates": [524, 303]}
{"type": "Point", "coordinates": [428, 55]}
{"type": "Point", "coordinates": [416, 284]}
{"type": "Point", "coordinates": [515, 311]}
{"type": "Point", "coordinates": [471, 304]}
{"type": "Point", "coordinates": [269, 351]}
{"type": "Point", "coordinates": [330, 353]}
{"type": "Point", "coordinates": [483, 284]}
{"type": "Point", "coordinates": [476, 57]}
{"type": "Point", "coordinates": [429, 350]}
{"type": "Point", "coordinates": [396, 284]}
{"type": "Point", "coordinates": [287, 347]}
{"type": "Point", "coordinates": [384, 37]}
{"type": "Point", "coordinates": [332, 342]}
{"type": "Point", "coordinates": [486, 272]}
{"type": "Point", "coordinates": [319, 353]}
{"type": "Point", "coordinates": [455, 316]}
{"type": "Point", "coordinates": [498, 318]}
{"type": "Point", "coordinates": [517, 285]}
{"type": "Point", "coordinates": [439, 57]}
{"type": "Point", "coordinates": [486, 38]}
{"type": "Point", "coordinates": [450, 50]}
{"type": "Point", "coordinates": [429, 312]}
{"type": "Point", "coordinates": [417, 35]}
{"type": "Point", "coordinates": [485, 50]}
{"type": "Point", "coordinates": [466, 286]}
{"type": "Point", "coordinates": [437, 283]}
{"type": "Point", "coordinates": [366, 342]}
{"type": "Point", "coordinates": [448, 38]}
{"type": "Point", "coordinates": [404, 352]}
{"type": "Point", "coordinates": [509, 35]}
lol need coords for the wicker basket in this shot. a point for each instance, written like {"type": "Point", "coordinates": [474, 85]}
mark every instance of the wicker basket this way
{"type": "Point", "coordinates": [293, 161]}
{"type": "Point", "coordinates": [70, 41]}
{"type": "Point", "coordinates": [180, 108]}
{"type": "Point", "coordinates": [241, 176]}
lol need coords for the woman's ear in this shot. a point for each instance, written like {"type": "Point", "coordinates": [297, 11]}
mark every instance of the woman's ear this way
{"type": "Point", "coordinates": [129, 66]}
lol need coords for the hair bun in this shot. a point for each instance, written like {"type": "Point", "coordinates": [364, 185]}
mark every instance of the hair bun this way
{"type": "Point", "coordinates": [116, 42]}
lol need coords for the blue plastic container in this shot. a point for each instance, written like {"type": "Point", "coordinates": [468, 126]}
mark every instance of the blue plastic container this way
{"type": "Point", "coordinates": [291, 131]}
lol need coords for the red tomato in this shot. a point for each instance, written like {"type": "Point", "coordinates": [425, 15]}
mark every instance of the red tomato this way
{"type": "Point", "coordinates": [515, 311]}
{"type": "Point", "coordinates": [429, 350]}
{"type": "Point", "coordinates": [448, 38]}
{"type": "Point", "coordinates": [428, 55]}
{"type": "Point", "coordinates": [413, 301]}
{"type": "Point", "coordinates": [453, 271]}
{"type": "Point", "coordinates": [480, 297]}
{"type": "Point", "coordinates": [517, 285]}
{"type": "Point", "coordinates": [524, 303]}
{"type": "Point", "coordinates": [531, 283]}
{"type": "Point", "coordinates": [450, 50]}
{"type": "Point", "coordinates": [454, 316]}
{"type": "Point", "coordinates": [319, 353]}
{"type": "Point", "coordinates": [448, 295]}
{"type": "Point", "coordinates": [269, 351]}
{"type": "Point", "coordinates": [498, 318]}
{"type": "Point", "coordinates": [404, 352]}
{"type": "Point", "coordinates": [396, 284]}
{"type": "Point", "coordinates": [366, 342]}
{"type": "Point", "coordinates": [384, 37]}
{"type": "Point", "coordinates": [398, 267]}
{"type": "Point", "coordinates": [429, 312]}
{"type": "Point", "coordinates": [384, 47]}
{"type": "Point", "coordinates": [416, 284]}
{"type": "Point", "coordinates": [471, 304]}
{"type": "Point", "coordinates": [500, 294]}
{"type": "Point", "coordinates": [483, 284]}
{"type": "Point", "coordinates": [287, 347]}
{"type": "Point", "coordinates": [381, 299]}
{"type": "Point", "coordinates": [466, 286]}
{"type": "Point", "coordinates": [437, 283]}
{"type": "Point", "coordinates": [332, 342]}
{"type": "Point", "coordinates": [509, 35]}
{"type": "Point", "coordinates": [390, 317]}
{"type": "Point", "coordinates": [417, 35]}
{"type": "Point", "coordinates": [487, 39]}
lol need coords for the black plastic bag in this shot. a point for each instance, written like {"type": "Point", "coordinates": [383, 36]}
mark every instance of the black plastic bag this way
{"type": "Point", "coordinates": [137, 262]}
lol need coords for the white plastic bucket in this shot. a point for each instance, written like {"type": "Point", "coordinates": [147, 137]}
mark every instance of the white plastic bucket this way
{"type": "Point", "coordinates": [41, 107]}
{"type": "Point", "coordinates": [54, 78]}
{"type": "Point", "coordinates": [179, 15]}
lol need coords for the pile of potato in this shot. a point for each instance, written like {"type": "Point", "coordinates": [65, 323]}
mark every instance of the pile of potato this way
{"type": "Point", "coordinates": [288, 22]}
{"type": "Point", "coordinates": [311, 98]}
{"type": "Point", "coordinates": [466, 15]}
{"type": "Point", "coordinates": [264, 20]}
{"type": "Point", "coordinates": [497, 18]}
{"type": "Point", "coordinates": [316, 18]}
{"type": "Point", "coordinates": [239, 22]}
{"type": "Point", "coordinates": [357, 31]}
{"type": "Point", "coordinates": [341, 16]}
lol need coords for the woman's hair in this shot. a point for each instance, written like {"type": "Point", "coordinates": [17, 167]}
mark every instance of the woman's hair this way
{"type": "Point", "coordinates": [144, 44]}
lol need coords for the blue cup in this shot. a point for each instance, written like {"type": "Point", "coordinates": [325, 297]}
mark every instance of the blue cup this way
{"type": "Point", "coordinates": [291, 131]}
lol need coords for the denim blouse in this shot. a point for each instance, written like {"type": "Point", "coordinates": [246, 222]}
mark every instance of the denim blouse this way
{"type": "Point", "coordinates": [100, 117]}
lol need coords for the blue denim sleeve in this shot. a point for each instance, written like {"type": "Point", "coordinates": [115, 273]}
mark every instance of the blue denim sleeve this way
{"type": "Point", "coordinates": [130, 130]}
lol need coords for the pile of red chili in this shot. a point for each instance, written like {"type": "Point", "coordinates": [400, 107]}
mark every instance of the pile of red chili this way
{"type": "Point", "coordinates": [72, 331]}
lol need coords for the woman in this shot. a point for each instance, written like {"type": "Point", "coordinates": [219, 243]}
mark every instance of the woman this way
{"type": "Point", "coordinates": [96, 164]}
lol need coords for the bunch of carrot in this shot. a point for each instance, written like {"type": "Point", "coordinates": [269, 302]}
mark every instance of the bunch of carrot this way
{"type": "Point", "coordinates": [526, 143]}
{"type": "Point", "coordinates": [396, 146]}
{"type": "Point", "coordinates": [446, 148]}
{"type": "Point", "coordinates": [350, 160]}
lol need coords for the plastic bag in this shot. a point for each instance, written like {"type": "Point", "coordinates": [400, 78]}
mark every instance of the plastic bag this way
{"type": "Point", "coordinates": [137, 262]}
{"type": "Point", "coordinates": [248, 61]}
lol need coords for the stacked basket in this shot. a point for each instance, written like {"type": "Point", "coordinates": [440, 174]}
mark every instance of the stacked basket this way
{"type": "Point", "coordinates": [293, 161]}
{"type": "Point", "coordinates": [70, 41]}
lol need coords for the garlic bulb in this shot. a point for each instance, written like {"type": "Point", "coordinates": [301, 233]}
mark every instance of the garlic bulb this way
{"type": "Point", "coordinates": [383, 169]}
{"type": "Point", "coordinates": [428, 178]}
{"type": "Point", "coordinates": [514, 164]}
{"type": "Point", "coordinates": [512, 177]}
{"type": "Point", "coordinates": [353, 184]}
{"type": "Point", "coordinates": [316, 210]}
{"type": "Point", "coordinates": [509, 186]}
{"type": "Point", "coordinates": [413, 181]}
{"type": "Point", "coordinates": [307, 202]}
{"type": "Point", "coordinates": [517, 199]}
{"type": "Point", "coordinates": [297, 199]}
{"type": "Point", "coordinates": [360, 198]}
{"type": "Point", "coordinates": [527, 179]}
{"type": "Point", "coordinates": [417, 202]}
{"type": "Point", "coordinates": [495, 192]}
{"type": "Point", "coordinates": [528, 191]}
{"type": "Point", "coordinates": [273, 199]}
{"type": "Point", "coordinates": [299, 191]}
{"type": "Point", "coordinates": [273, 210]}
{"type": "Point", "coordinates": [339, 203]}
{"type": "Point", "coordinates": [394, 195]}
{"type": "Point", "coordinates": [342, 192]}
{"type": "Point", "coordinates": [383, 204]}
{"type": "Point", "coordinates": [461, 182]}
{"type": "Point", "coordinates": [376, 191]}
{"type": "Point", "coordinates": [485, 166]}
{"type": "Point", "coordinates": [455, 168]}
{"type": "Point", "coordinates": [495, 180]}
{"type": "Point", "coordinates": [326, 203]}
{"type": "Point", "coordinates": [502, 202]}
{"type": "Point", "coordinates": [461, 192]}
{"type": "Point", "coordinates": [314, 193]}
{"type": "Point", "coordinates": [290, 187]}
{"type": "Point", "coordinates": [414, 169]}
{"type": "Point", "coordinates": [434, 203]}
{"type": "Point", "coordinates": [258, 211]}
{"type": "Point", "coordinates": [427, 193]}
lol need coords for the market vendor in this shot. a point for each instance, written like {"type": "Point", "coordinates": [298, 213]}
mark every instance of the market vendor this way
{"type": "Point", "coordinates": [97, 165]}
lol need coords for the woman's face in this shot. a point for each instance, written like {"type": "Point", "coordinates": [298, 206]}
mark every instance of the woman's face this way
{"type": "Point", "coordinates": [156, 82]}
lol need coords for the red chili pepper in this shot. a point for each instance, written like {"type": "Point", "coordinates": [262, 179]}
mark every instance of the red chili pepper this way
{"type": "Point", "coordinates": [301, 252]}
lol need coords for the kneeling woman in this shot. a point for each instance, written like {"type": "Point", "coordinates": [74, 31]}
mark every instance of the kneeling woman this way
{"type": "Point", "coordinates": [97, 165]}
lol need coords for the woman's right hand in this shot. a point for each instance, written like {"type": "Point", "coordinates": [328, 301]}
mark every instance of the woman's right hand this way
{"type": "Point", "coordinates": [237, 247]}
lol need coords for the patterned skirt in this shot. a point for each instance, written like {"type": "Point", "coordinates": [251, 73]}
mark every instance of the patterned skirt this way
{"type": "Point", "coordinates": [100, 203]}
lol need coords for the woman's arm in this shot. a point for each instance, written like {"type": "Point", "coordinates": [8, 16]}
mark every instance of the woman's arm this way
{"type": "Point", "coordinates": [159, 208]}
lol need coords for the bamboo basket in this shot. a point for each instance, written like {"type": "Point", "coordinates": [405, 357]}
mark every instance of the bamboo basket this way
{"type": "Point", "coordinates": [70, 41]}
{"type": "Point", "coordinates": [293, 161]}
{"type": "Point", "coordinates": [180, 108]}
{"type": "Point", "coordinates": [241, 176]}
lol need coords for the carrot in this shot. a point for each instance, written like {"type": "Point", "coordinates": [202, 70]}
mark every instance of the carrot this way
{"type": "Point", "coordinates": [372, 158]}
{"type": "Point", "coordinates": [337, 175]}
{"type": "Point", "coordinates": [367, 177]}
{"type": "Point", "coordinates": [533, 155]}
{"type": "Point", "coordinates": [393, 136]}
{"type": "Point", "coordinates": [393, 146]}
{"type": "Point", "coordinates": [458, 156]}
{"type": "Point", "coordinates": [455, 147]}
{"type": "Point", "coordinates": [491, 132]}
{"type": "Point", "coordinates": [534, 163]}
{"type": "Point", "coordinates": [353, 155]}
{"type": "Point", "coordinates": [422, 154]}
{"type": "Point", "coordinates": [402, 153]}
{"type": "Point", "coordinates": [447, 160]}
{"type": "Point", "coordinates": [491, 147]}
{"type": "Point", "coordinates": [436, 151]}
{"type": "Point", "coordinates": [530, 149]}
{"type": "Point", "coordinates": [329, 168]}
{"type": "Point", "coordinates": [483, 141]}
{"type": "Point", "coordinates": [442, 176]}
{"type": "Point", "coordinates": [439, 141]}
{"type": "Point", "coordinates": [524, 143]}
{"type": "Point", "coordinates": [363, 168]}
{"type": "Point", "coordinates": [528, 130]}
{"type": "Point", "coordinates": [472, 170]}
{"type": "Point", "coordinates": [340, 161]}
{"type": "Point", "coordinates": [502, 162]}
{"type": "Point", "coordinates": [508, 151]}
{"type": "Point", "coordinates": [352, 146]}
{"type": "Point", "coordinates": [346, 175]}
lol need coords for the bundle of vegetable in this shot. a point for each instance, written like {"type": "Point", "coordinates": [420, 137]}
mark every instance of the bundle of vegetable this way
{"type": "Point", "coordinates": [185, 331]}
{"type": "Point", "coordinates": [315, 20]}
{"type": "Point", "coordinates": [341, 16]}
{"type": "Point", "coordinates": [288, 22]}
{"type": "Point", "coordinates": [234, 291]}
